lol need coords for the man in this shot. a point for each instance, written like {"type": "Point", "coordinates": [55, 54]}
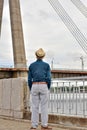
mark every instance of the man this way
{"type": "Point", "coordinates": [39, 81]}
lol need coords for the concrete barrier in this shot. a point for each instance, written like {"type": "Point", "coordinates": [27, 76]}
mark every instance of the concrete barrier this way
{"type": "Point", "coordinates": [12, 97]}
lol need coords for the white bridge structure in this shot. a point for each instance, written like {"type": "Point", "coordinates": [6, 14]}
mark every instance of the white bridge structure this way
{"type": "Point", "coordinates": [68, 96]}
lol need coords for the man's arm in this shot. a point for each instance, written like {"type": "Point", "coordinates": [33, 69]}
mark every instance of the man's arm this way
{"type": "Point", "coordinates": [29, 79]}
{"type": "Point", "coordinates": [48, 77]}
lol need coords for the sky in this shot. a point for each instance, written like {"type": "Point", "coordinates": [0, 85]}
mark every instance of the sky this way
{"type": "Point", "coordinates": [43, 28]}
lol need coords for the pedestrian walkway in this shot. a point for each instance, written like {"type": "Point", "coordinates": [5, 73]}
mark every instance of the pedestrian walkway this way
{"type": "Point", "coordinates": [10, 124]}
{"type": "Point", "coordinates": [6, 124]}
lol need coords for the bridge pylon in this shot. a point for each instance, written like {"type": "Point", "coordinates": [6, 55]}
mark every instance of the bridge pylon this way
{"type": "Point", "coordinates": [16, 31]}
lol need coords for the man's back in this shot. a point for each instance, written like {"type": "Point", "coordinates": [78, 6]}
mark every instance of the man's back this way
{"type": "Point", "coordinates": [39, 71]}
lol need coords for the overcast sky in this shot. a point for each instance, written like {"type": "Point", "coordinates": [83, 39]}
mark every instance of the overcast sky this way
{"type": "Point", "coordinates": [43, 28]}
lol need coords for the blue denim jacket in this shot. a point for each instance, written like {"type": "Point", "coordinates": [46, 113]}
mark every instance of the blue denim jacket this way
{"type": "Point", "coordinates": [39, 71]}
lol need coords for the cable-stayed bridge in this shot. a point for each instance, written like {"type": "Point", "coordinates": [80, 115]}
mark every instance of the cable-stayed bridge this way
{"type": "Point", "coordinates": [16, 27]}
{"type": "Point", "coordinates": [65, 97]}
{"type": "Point", "coordinates": [65, 18]}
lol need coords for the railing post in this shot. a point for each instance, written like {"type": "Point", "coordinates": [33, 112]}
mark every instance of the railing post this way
{"type": "Point", "coordinates": [76, 98]}
{"type": "Point", "coordinates": [63, 99]}
{"type": "Point", "coordinates": [57, 98]}
{"type": "Point", "coordinates": [69, 98]}
{"type": "Point", "coordinates": [83, 98]}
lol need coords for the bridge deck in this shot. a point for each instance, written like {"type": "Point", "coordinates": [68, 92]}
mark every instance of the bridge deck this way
{"type": "Point", "coordinates": [22, 72]}
{"type": "Point", "coordinates": [18, 124]}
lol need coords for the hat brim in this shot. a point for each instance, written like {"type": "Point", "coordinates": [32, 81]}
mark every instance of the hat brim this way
{"type": "Point", "coordinates": [40, 56]}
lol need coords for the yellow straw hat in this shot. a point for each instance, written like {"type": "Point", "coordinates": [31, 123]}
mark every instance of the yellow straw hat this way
{"type": "Point", "coordinates": [40, 53]}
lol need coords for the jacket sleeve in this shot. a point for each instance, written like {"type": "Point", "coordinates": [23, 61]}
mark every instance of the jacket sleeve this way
{"type": "Point", "coordinates": [48, 79]}
{"type": "Point", "coordinates": [29, 79]}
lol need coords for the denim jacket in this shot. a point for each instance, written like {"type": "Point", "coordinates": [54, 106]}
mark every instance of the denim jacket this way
{"type": "Point", "coordinates": [39, 71]}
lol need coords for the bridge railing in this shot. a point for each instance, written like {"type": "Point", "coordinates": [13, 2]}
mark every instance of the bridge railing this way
{"type": "Point", "coordinates": [68, 96]}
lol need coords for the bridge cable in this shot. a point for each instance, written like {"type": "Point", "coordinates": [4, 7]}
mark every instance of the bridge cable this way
{"type": "Point", "coordinates": [80, 6]}
{"type": "Point", "coordinates": [1, 13]}
{"type": "Point", "coordinates": [69, 24]}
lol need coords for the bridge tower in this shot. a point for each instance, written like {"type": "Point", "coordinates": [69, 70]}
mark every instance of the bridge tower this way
{"type": "Point", "coordinates": [1, 10]}
{"type": "Point", "coordinates": [17, 32]}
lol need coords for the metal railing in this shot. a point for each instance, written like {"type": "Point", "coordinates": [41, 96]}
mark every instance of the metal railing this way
{"type": "Point", "coordinates": [68, 96]}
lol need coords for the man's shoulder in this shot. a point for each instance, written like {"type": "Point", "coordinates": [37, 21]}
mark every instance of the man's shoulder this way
{"type": "Point", "coordinates": [46, 63]}
{"type": "Point", "coordinates": [32, 63]}
{"type": "Point", "coordinates": [35, 62]}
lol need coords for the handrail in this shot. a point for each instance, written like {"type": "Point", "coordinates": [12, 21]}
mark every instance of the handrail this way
{"type": "Point", "coordinates": [68, 96]}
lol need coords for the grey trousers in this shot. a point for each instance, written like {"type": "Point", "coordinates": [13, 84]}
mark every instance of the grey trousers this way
{"type": "Point", "coordinates": [39, 96]}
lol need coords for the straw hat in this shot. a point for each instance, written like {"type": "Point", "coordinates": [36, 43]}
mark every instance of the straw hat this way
{"type": "Point", "coordinates": [40, 53]}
